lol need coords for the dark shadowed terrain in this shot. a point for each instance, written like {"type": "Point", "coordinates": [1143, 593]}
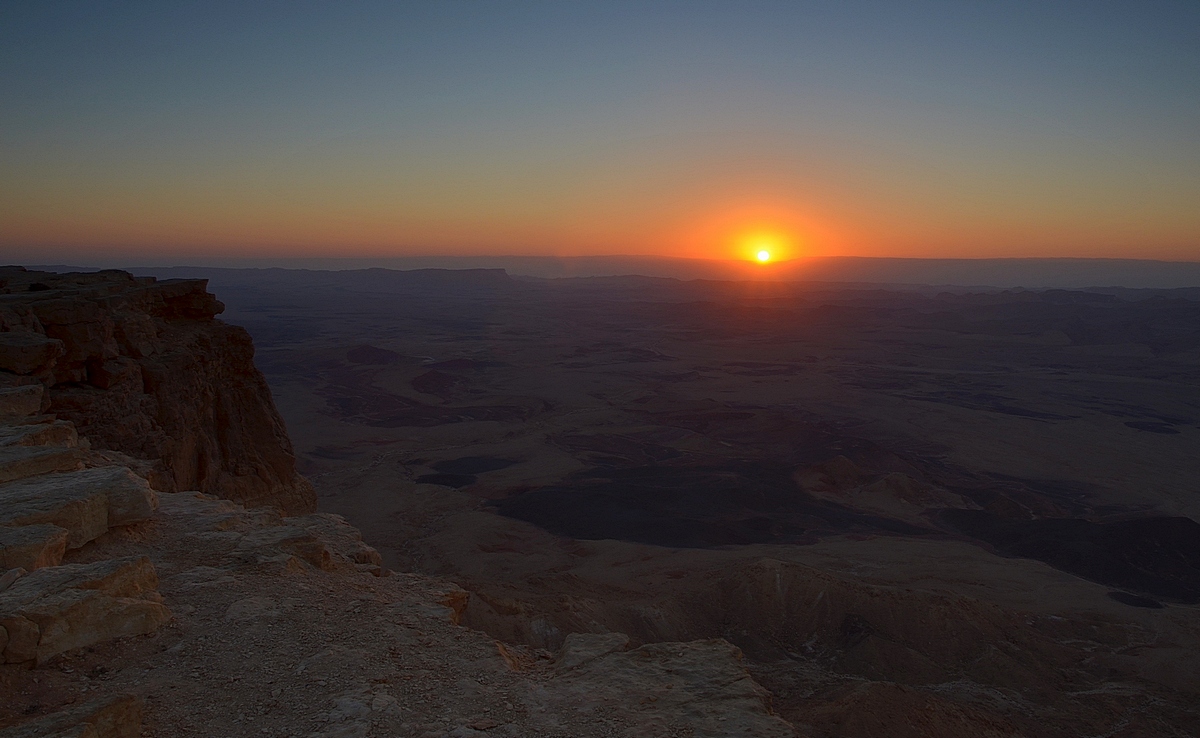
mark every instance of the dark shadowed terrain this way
{"type": "Point", "coordinates": [972, 508]}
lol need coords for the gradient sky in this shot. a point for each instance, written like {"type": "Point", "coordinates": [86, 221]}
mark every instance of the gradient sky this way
{"type": "Point", "coordinates": [677, 128]}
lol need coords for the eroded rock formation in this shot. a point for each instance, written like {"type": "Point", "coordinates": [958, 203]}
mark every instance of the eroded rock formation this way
{"type": "Point", "coordinates": [143, 368]}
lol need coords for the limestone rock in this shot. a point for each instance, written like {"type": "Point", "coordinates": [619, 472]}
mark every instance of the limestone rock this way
{"type": "Point", "coordinates": [20, 401]}
{"type": "Point", "coordinates": [146, 370]}
{"type": "Point", "coordinates": [47, 433]}
{"type": "Point", "coordinates": [19, 462]}
{"type": "Point", "coordinates": [343, 540]}
{"type": "Point", "coordinates": [205, 513]}
{"type": "Point", "coordinates": [32, 547]}
{"type": "Point", "coordinates": [118, 716]}
{"type": "Point", "coordinates": [130, 498]}
{"type": "Point", "coordinates": [7, 579]}
{"type": "Point", "coordinates": [86, 502]}
{"type": "Point", "coordinates": [60, 608]}
{"type": "Point", "coordinates": [455, 599]}
{"type": "Point", "coordinates": [24, 352]}
{"type": "Point", "coordinates": [114, 373]}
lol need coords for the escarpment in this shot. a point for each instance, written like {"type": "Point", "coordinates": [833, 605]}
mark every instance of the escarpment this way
{"type": "Point", "coordinates": [143, 368]}
{"type": "Point", "coordinates": [131, 609]}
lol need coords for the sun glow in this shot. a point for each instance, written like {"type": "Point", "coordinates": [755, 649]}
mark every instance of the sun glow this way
{"type": "Point", "coordinates": [763, 246]}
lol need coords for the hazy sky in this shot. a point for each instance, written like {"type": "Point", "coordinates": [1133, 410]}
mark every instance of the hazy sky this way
{"type": "Point", "coordinates": [340, 128]}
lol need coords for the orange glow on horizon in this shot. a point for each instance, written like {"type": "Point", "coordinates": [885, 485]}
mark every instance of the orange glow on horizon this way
{"type": "Point", "coordinates": [737, 228]}
{"type": "Point", "coordinates": [765, 246]}
{"type": "Point", "coordinates": [721, 225]}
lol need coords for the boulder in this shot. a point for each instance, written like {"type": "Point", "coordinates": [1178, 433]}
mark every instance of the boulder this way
{"type": "Point", "coordinates": [23, 352]}
{"type": "Point", "coordinates": [60, 608]}
{"type": "Point", "coordinates": [21, 401]}
{"type": "Point", "coordinates": [32, 547]}
{"type": "Point", "coordinates": [86, 503]}
{"type": "Point", "coordinates": [19, 462]}
{"type": "Point", "coordinates": [343, 540]}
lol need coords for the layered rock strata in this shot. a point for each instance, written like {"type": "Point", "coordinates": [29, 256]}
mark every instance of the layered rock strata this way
{"type": "Point", "coordinates": [45, 512]}
{"type": "Point", "coordinates": [143, 368]}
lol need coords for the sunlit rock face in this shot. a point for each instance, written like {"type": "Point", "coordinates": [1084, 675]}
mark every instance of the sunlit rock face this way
{"type": "Point", "coordinates": [143, 368]}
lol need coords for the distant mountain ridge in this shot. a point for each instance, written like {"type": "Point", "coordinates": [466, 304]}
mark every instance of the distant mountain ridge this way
{"type": "Point", "coordinates": [1030, 273]}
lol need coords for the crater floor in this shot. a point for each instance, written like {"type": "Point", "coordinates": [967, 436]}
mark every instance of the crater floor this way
{"type": "Point", "coordinates": [978, 506]}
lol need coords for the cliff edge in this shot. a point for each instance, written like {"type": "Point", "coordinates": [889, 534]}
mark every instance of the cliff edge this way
{"type": "Point", "coordinates": [143, 368]}
{"type": "Point", "coordinates": [127, 609]}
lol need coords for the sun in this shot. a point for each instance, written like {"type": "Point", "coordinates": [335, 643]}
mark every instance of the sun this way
{"type": "Point", "coordinates": [763, 246]}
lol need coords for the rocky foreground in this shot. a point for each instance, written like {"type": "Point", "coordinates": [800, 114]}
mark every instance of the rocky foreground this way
{"type": "Point", "coordinates": [132, 604]}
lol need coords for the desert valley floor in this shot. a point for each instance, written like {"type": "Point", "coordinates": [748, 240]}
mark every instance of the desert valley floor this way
{"type": "Point", "coordinates": [973, 503]}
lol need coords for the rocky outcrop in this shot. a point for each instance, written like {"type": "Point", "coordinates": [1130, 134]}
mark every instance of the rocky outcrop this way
{"type": "Point", "coordinates": [31, 547]}
{"type": "Point", "coordinates": [278, 616]}
{"type": "Point", "coordinates": [45, 511]}
{"type": "Point", "coordinates": [143, 368]}
{"type": "Point", "coordinates": [84, 503]}
{"type": "Point", "coordinates": [60, 608]}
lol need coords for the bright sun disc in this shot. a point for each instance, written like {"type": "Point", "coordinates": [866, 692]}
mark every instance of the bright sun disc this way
{"type": "Point", "coordinates": [764, 256]}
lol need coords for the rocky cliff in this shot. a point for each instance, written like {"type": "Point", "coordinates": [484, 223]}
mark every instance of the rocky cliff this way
{"type": "Point", "coordinates": [142, 368]}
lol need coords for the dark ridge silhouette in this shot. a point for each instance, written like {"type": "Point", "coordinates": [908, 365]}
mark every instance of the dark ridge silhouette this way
{"type": "Point", "coordinates": [1031, 273]}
